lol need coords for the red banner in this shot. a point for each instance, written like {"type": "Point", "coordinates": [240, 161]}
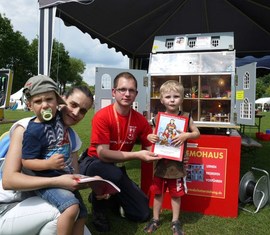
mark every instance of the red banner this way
{"type": "Point", "coordinates": [206, 172]}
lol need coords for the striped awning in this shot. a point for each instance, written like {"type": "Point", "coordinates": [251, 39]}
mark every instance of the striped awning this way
{"type": "Point", "coordinates": [46, 32]}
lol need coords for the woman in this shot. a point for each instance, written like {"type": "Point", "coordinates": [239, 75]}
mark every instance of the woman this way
{"type": "Point", "coordinates": [33, 215]}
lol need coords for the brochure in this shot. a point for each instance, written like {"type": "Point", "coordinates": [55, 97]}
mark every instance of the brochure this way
{"type": "Point", "coordinates": [98, 185]}
{"type": "Point", "coordinates": [168, 126]}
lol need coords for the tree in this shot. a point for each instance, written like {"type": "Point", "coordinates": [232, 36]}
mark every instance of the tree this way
{"type": "Point", "coordinates": [267, 92]}
{"type": "Point", "coordinates": [18, 55]}
{"type": "Point", "coordinates": [60, 65]}
{"type": "Point", "coordinates": [259, 88]}
{"type": "Point", "coordinates": [92, 89]}
{"type": "Point", "coordinates": [33, 51]}
{"type": "Point", "coordinates": [77, 68]}
{"type": "Point", "coordinates": [263, 86]}
{"type": "Point", "coordinates": [65, 69]}
{"type": "Point", "coordinates": [14, 53]}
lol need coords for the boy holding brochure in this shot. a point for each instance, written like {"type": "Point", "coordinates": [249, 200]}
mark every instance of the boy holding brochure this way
{"type": "Point", "coordinates": [170, 173]}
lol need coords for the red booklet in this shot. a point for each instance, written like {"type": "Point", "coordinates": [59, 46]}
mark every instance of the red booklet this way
{"type": "Point", "coordinates": [167, 127]}
{"type": "Point", "coordinates": [98, 185]}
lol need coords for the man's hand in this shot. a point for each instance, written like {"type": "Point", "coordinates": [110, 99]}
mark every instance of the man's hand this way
{"type": "Point", "coordinates": [103, 197]}
{"type": "Point", "coordinates": [147, 156]}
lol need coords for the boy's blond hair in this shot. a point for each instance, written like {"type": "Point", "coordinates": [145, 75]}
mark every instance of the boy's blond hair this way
{"type": "Point", "coordinates": [172, 85]}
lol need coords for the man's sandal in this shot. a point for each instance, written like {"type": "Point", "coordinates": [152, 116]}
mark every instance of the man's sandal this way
{"type": "Point", "coordinates": [152, 226]}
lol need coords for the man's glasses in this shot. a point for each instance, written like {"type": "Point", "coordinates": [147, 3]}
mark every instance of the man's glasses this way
{"type": "Point", "coordinates": [123, 91]}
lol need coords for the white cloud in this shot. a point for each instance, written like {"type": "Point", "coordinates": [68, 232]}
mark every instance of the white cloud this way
{"type": "Point", "coordinates": [24, 16]}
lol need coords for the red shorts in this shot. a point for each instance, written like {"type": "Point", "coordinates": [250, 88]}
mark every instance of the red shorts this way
{"type": "Point", "coordinates": [175, 187]}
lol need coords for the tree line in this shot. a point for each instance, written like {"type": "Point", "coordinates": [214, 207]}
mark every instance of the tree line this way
{"type": "Point", "coordinates": [263, 85]}
{"type": "Point", "coordinates": [21, 56]}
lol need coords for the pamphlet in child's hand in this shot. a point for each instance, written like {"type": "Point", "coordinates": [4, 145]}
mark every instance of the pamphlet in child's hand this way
{"type": "Point", "coordinates": [168, 127]}
{"type": "Point", "coordinates": [98, 185]}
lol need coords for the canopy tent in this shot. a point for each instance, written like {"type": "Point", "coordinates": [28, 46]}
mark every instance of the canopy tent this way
{"type": "Point", "coordinates": [263, 63]}
{"type": "Point", "coordinates": [130, 26]}
{"type": "Point", "coordinates": [263, 104]}
{"type": "Point", "coordinates": [16, 100]}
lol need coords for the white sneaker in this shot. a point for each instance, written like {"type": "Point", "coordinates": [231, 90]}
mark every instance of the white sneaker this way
{"type": "Point", "coordinates": [122, 212]}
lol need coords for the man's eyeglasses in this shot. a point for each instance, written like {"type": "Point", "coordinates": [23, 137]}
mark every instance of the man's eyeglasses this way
{"type": "Point", "coordinates": [123, 91]}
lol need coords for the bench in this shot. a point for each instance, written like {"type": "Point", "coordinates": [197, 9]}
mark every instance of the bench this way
{"type": "Point", "coordinates": [248, 144]}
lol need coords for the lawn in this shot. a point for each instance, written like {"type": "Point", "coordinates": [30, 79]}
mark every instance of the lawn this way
{"type": "Point", "coordinates": [193, 223]}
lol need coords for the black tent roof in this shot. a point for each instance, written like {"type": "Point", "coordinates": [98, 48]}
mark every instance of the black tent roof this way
{"type": "Point", "coordinates": [130, 26]}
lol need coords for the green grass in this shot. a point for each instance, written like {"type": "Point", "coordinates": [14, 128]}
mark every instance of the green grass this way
{"type": "Point", "coordinates": [193, 223]}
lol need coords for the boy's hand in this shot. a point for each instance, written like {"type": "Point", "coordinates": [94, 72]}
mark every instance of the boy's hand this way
{"type": "Point", "coordinates": [179, 139]}
{"type": "Point", "coordinates": [56, 162]}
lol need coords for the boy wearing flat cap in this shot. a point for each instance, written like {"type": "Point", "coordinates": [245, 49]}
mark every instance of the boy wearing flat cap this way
{"type": "Point", "coordinates": [47, 152]}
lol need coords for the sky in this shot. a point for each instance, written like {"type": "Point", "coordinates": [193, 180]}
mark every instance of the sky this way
{"type": "Point", "coordinates": [24, 16]}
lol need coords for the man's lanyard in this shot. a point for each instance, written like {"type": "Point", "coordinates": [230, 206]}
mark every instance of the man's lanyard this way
{"type": "Point", "coordinates": [118, 128]}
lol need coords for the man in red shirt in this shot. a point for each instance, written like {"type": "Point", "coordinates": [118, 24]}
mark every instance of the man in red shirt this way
{"type": "Point", "coordinates": [115, 130]}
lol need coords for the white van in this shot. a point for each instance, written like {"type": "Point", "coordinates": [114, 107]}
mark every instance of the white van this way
{"type": "Point", "coordinates": [263, 104]}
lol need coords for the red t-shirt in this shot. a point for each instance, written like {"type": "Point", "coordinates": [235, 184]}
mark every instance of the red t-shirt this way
{"type": "Point", "coordinates": [105, 131]}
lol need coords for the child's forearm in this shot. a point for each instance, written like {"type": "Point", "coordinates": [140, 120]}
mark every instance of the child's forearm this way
{"type": "Point", "coordinates": [192, 135]}
{"type": "Point", "coordinates": [36, 164]}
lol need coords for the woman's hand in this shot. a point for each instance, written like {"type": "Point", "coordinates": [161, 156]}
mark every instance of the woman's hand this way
{"type": "Point", "coordinates": [85, 185]}
{"type": "Point", "coordinates": [67, 181]}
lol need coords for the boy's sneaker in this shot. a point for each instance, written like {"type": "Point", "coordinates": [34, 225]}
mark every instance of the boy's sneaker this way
{"type": "Point", "coordinates": [176, 228]}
